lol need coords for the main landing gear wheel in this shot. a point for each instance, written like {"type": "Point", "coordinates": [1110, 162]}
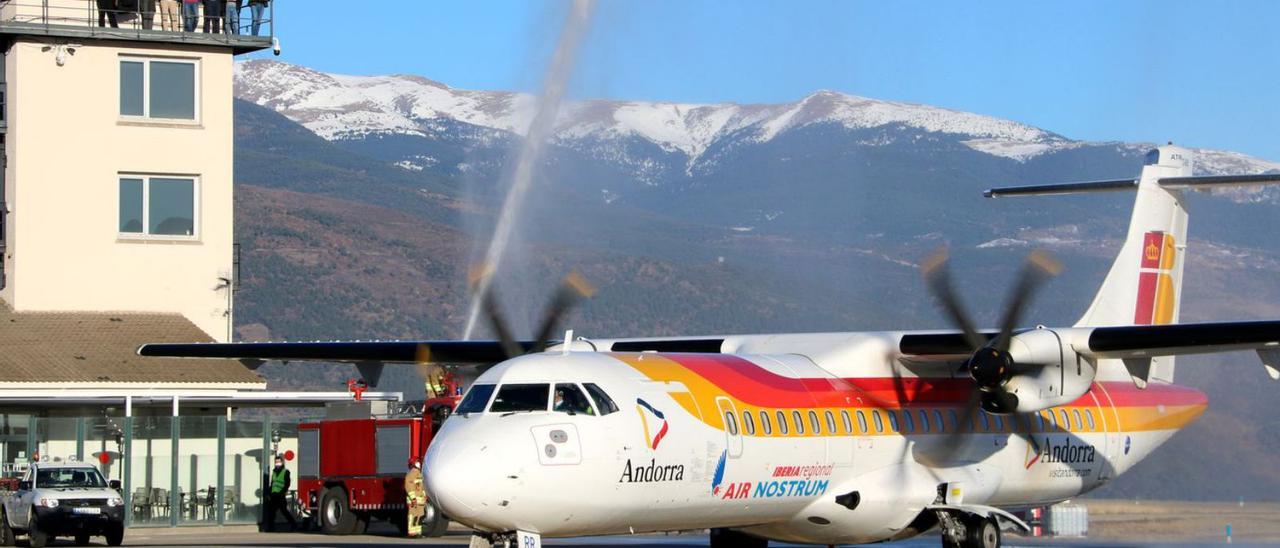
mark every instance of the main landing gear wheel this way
{"type": "Point", "coordinates": [981, 532]}
{"type": "Point", "coordinates": [728, 538]}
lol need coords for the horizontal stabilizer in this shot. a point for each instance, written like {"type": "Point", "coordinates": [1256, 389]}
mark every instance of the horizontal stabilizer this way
{"type": "Point", "coordinates": [1140, 341]}
{"type": "Point", "coordinates": [443, 352]}
{"type": "Point", "coordinates": [1173, 183]}
{"type": "Point", "coordinates": [1212, 181]}
{"type": "Point", "coordinates": [1063, 188]}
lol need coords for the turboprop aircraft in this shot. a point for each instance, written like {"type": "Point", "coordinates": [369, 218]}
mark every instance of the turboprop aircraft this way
{"type": "Point", "coordinates": [824, 438]}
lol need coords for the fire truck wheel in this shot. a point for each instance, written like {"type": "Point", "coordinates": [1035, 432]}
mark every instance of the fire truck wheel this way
{"type": "Point", "coordinates": [362, 523]}
{"type": "Point", "coordinates": [336, 517]}
{"type": "Point", "coordinates": [434, 522]}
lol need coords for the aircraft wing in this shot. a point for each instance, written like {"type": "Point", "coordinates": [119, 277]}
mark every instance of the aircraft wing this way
{"type": "Point", "coordinates": [1123, 342]}
{"type": "Point", "coordinates": [443, 352]}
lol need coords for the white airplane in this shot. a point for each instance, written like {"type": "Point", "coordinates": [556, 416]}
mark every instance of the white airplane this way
{"type": "Point", "coordinates": [824, 438]}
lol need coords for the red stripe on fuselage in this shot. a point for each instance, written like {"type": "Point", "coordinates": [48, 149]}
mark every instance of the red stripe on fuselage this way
{"type": "Point", "coordinates": [754, 385]}
{"type": "Point", "coordinates": [758, 386]}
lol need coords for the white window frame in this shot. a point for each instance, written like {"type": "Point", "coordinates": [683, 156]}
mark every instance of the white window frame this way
{"type": "Point", "coordinates": [146, 207]}
{"type": "Point", "coordinates": [146, 89]}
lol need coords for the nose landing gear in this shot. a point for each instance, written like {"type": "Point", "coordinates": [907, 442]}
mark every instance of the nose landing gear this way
{"type": "Point", "coordinates": [517, 539]}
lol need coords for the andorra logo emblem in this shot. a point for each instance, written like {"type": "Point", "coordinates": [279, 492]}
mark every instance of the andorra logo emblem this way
{"type": "Point", "coordinates": [655, 424]}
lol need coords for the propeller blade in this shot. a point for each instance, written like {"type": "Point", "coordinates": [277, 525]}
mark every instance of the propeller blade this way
{"type": "Point", "coordinates": [938, 278]}
{"type": "Point", "coordinates": [573, 288]}
{"type": "Point", "coordinates": [1038, 269]}
{"type": "Point", "coordinates": [499, 324]}
{"type": "Point", "coordinates": [952, 444]}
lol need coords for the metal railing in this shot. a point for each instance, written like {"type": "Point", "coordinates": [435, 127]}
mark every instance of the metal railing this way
{"type": "Point", "coordinates": [151, 19]}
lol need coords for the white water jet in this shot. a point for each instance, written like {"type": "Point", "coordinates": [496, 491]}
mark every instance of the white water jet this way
{"type": "Point", "coordinates": [540, 131]}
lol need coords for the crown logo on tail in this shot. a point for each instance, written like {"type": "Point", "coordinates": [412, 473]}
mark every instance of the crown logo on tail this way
{"type": "Point", "coordinates": [1153, 252]}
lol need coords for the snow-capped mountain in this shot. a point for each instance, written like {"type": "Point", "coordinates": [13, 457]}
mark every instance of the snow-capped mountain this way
{"type": "Point", "coordinates": [652, 141]}
{"type": "Point", "coordinates": [344, 107]}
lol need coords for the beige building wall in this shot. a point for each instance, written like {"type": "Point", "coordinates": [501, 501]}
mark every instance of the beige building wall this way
{"type": "Point", "coordinates": [67, 147]}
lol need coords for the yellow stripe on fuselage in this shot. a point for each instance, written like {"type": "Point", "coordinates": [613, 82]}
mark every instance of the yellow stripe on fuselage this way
{"type": "Point", "coordinates": [700, 402]}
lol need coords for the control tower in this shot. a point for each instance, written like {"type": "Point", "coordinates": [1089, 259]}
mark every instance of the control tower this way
{"type": "Point", "coordinates": [116, 126]}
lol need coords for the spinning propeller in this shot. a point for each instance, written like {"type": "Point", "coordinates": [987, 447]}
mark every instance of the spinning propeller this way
{"type": "Point", "coordinates": [991, 365]}
{"type": "Point", "coordinates": [573, 288]}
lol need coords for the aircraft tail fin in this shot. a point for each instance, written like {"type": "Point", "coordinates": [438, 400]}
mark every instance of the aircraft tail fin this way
{"type": "Point", "coordinates": [1144, 285]}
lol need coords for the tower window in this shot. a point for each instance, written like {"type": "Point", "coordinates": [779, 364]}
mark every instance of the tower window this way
{"type": "Point", "coordinates": [157, 206]}
{"type": "Point", "coordinates": [163, 89]}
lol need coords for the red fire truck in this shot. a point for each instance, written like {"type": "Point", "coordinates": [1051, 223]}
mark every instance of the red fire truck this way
{"type": "Point", "coordinates": [351, 469]}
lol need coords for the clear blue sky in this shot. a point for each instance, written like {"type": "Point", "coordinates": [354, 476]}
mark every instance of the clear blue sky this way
{"type": "Point", "coordinates": [1200, 73]}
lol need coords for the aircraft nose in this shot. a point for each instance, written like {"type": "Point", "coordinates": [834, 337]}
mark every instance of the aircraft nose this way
{"type": "Point", "coordinates": [456, 472]}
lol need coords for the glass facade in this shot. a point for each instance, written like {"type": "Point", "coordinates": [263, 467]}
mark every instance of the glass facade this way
{"type": "Point", "coordinates": [198, 470]}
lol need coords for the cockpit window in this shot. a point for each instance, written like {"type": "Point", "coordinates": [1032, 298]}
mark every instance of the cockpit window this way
{"type": "Point", "coordinates": [521, 397]}
{"type": "Point", "coordinates": [476, 399]}
{"type": "Point", "coordinates": [570, 399]}
{"type": "Point", "coordinates": [603, 402]}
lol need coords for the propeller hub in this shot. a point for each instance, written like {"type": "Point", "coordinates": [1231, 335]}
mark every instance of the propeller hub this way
{"type": "Point", "coordinates": [990, 367]}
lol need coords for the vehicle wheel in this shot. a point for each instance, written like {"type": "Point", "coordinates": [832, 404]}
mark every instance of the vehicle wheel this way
{"type": "Point", "coordinates": [37, 538]}
{"type": "Point", "coordinates": [82, 539]}
{"type": "Point", "coordinates": [6, 532]}
{"type": "Point", "coordinates": [981, 532]}
{"type": "Point", "coordinates": [114, 534]}
{"type": "Point", "coordinates": [434, 522]}
{"type": "Point", "coordinates": [336, 518]}
{"type": "Point", "coordinates": [728, 538]}
{"type": "Point", "coordinates": [362, 523]}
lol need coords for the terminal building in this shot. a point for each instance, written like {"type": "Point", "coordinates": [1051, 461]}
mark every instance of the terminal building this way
{"type": "Point", "coordinates": [116, 209]}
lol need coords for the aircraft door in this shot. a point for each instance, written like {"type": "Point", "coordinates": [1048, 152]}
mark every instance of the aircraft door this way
{"type": "Point", "coordinates": [1113, 438]}
{"type": "Point", "coordinates": [732, 426]}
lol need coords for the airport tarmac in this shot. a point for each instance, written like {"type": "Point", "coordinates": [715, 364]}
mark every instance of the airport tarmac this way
{"type": "Point", "coordinates": [1111, 524]}
{"type": "Point", "coordinates": [248, 537]}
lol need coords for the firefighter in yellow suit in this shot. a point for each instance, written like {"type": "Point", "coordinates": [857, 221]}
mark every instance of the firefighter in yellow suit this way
{"type": "Point", "coordinates": [415, 498]}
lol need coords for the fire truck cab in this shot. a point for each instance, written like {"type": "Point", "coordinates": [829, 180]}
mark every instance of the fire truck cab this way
{"type": "Point", "coordinates": [352, 466]}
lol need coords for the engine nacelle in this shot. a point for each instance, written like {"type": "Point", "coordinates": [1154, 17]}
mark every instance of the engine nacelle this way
{"type": "Point", "coordinates": [875, 506]}
{"type": "Point", "coordinates": [1048, 372]}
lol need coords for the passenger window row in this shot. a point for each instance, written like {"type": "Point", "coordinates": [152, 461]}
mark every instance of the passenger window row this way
{"type": "Point", "coordinates": [904, 421]}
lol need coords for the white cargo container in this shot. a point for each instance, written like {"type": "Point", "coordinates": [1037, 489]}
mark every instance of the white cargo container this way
{"type": "Point", "coordinates": [1067, 520]}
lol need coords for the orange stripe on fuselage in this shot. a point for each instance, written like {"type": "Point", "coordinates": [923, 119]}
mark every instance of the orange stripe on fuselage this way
{"type": "Point", "coordinates": [753, 389]}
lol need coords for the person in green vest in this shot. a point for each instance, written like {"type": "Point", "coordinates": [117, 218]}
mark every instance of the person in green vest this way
{"type": "Point", "coordinates": [277, 498]}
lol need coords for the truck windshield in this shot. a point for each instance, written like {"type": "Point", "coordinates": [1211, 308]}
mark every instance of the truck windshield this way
{"type": "Point", "coordinates": [57, 478]}
{"type": "Point", "coordinates": [521, 397]}
{"type": "Point", "coordinates": [476, 399]}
